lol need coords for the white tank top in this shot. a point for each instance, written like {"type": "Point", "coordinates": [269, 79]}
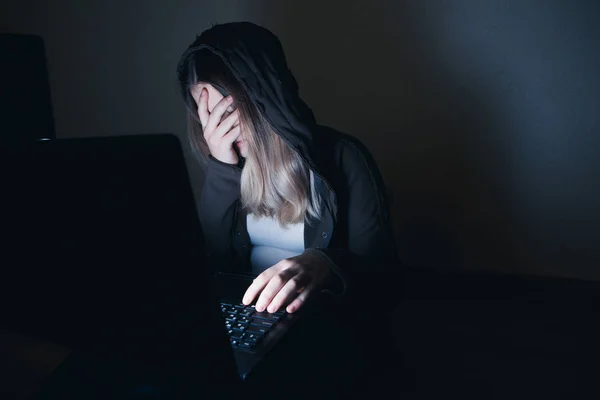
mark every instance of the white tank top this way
{"type": "Point", "coordinates": [271, 243]}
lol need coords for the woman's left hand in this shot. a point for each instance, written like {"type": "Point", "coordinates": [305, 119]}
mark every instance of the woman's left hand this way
{"type": "Point", "coordinates": [290, 282]}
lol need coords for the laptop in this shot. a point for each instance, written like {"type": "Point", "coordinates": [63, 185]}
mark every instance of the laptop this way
{"type": "Point", "coordinates": [24, 71]}
{"type": "Point", "coordinates": [107, 259]}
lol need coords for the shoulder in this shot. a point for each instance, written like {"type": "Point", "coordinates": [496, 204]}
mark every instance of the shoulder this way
{"type": "Point", "coordinates": [347, 154]}
{"type": "Point", "coordinates": [348, 164]}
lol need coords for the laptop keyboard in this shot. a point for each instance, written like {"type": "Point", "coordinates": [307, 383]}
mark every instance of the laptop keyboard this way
{"type": "Point", "coordinates": [246, 327]}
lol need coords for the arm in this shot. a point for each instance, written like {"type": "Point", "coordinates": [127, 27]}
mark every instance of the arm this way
{"type": "Point", "coordinates": [368, 259]}
{"type": "Point", "coordinates": [221, 187]}
{"type": "Point", "coordinates": [218, 200]}
{"type": "Point", "coordinates": [363, 263]}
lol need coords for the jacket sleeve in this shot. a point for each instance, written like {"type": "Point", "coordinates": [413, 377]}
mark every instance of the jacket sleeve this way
{"type": "Point", "coordinates": [370, 260]}
{"type": "Point", "coordinates": [218, 201]}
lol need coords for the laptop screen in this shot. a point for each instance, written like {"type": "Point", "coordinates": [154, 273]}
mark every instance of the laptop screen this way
{"type": "Point", "coordinates": [104, 250]}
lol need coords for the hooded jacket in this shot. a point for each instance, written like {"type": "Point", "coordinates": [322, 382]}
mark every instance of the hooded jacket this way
{"type": "Point", "coordinates": [354, 232]}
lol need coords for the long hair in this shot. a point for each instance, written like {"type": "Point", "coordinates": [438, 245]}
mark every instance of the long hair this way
{"type": "Point", "coordinates": [275, 180]}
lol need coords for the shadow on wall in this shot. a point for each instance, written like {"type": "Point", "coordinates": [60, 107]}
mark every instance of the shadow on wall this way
{"type": "Point", "coordinates": [380, 74]}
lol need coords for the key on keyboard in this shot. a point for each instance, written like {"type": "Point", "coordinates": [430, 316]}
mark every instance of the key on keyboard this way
{"type": "Point", "coordinates": [245, 326]}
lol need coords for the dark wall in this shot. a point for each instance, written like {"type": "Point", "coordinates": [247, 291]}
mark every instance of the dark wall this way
{"type": "Point", "coordinates": [483, 115]}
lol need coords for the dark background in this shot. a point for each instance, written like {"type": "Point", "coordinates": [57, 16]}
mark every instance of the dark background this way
{"type": "Point", "coordinates": [483, 115]}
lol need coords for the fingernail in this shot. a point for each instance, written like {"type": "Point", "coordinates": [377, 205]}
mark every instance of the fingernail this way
{"type": "Point", "coordinates": [271, 309]}
{"type": "Point", "coordinates": [291, 309]}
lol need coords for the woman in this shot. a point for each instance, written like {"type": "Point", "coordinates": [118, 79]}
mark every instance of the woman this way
{"type": "Point", "coordinates": [300, 205]}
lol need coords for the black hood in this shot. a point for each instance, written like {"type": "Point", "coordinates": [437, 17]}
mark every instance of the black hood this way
{"type": "Point", "coordinates": [256, 58]}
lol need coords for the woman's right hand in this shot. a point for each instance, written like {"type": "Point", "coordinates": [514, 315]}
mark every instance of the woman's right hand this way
{"type": "Point", "coordinates": [220, 133]}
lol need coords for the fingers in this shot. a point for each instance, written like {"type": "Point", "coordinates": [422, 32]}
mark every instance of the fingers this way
{"type": "Point", "coordinates": [272, 288]}
{"type": "Point", "coordinates": [279, 285]}
{"type": "Point", "coordinates": [217, 113]}
{"type": "Point", "coordinates": [232, 135]}
{"type": "Point", "coordinates": [226, 124]}
{"type": "Point", "coordinates": [258, 284]}
{"type": "Point", "coordinates": [300, 299]}
{"type": "Point", "coordinates": [289, 292]}
{"type": "Point", "coordinates": [203, 108]}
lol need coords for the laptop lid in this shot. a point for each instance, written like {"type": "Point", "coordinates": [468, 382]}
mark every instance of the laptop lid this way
{"type": "Point", "coordinates": [103, 252]}
{"type": "Point", "coordinates": [25, 102]}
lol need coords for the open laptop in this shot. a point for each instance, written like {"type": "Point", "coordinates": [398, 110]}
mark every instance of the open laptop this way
{"type": "Point", "coordinates": [106, 258]}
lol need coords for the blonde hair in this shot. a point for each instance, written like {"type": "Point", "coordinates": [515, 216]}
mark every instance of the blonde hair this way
{"type": "Point", "coordinates": [275, 181]}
